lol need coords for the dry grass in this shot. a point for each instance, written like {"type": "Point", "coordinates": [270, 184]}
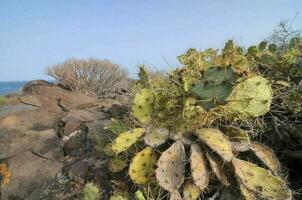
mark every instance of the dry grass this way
{"type": "Point", "coordinates": [89, 76]}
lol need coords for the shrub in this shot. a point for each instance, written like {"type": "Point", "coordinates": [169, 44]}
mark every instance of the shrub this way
{"type": "Point", "coordinates": [89, 76]}
{"type": "Point", "coordinates": [2, 100]}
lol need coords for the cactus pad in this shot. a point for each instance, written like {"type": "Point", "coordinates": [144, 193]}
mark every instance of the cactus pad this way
{"type": "Point", "coordinates": [266, 155]}
{"type": "Point", "coordinates": [175, 196]}
{"type": "Point", "coordinates": [199, 170]}
{"type": "Point", "coordinates": [251, 97]}
{"type": "Point", "coordinates": [142, 166]}
{"type": "Point", "coordinates": [217, 169]}
{"type": "Point", "coordinates": [117, 164]}
{"type": "Point", "coordinates": [261, 181]}
{"type": "Point", "coordinates": [216, 85]}
{"type": "Point", "coordinates": [190, 191]}
{"type": "Point", "coordinates": [170, 171]}
{"type": "Point", "coordinates": [217, 141]}
{"type": "Point", "coordinates": [143, 105]}
{"type": "Point", "coordinates": [239, 138]}
{"type": "Point", "coordinates": [126, 140]}
{"type": "Point", "coordinates": [247, 194]}
{"type": "Point", "coordinates": [156, 136]}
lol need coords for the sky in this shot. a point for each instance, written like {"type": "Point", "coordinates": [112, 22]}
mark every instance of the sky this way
{"type": "Point", "coordinates": [37, 34]}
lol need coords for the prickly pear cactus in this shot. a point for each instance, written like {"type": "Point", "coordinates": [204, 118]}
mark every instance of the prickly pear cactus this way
{"type": "Point", "coordinates": [142, 166]}
{"type": "Point", "coordinates": [251, 97]}
{"type": "Point", "coordinates": [126, 139]}
{"type": "Point", "coordinates": [201, 110]}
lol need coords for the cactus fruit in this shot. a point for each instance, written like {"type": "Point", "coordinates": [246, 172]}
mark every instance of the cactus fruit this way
{"type": "Point", "coordinates": [261, 181]}
{"type": "Point", "coordinates": [117, 164]}
{"type": "Point", "coordinates": [156, 136]}
{"type": "Point", "coordinates": [91, 192]}
{"type": "Point", "coordinates": [126, 139]}
{"type": "Point", "coordinates": [191, 191]}
{"type": "Point", "coordinates": [142, 166]}
{"type": "Point", "coordinates": [217, 141]}
{"type": "Point", "coordinates": [266, 155]}
{"type": "Point", "coordinates": [239, 138]}
{"type": "Point", "coordinates": [170, 171]}
{"type": "Point", "coordinates": [217, 169]}
{"type": "Point", "coordinates": [251, 97]}
{"type": "Point", "coordinates": [199, 170]}
{"type": "Point", "coordinates": [143, 105]}
{"type": "Point", "coordinates": [215, 86]}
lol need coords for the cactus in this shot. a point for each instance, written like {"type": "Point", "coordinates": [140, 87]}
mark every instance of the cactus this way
{"type": "Point", "coordinates": [215, 86]}
{"type": "Point", "coordinates": [240, 139]}
{"type": "Point", "coordinates": [217, 169]}
{"type": "Point", "coordinates": [126, 140]}
{"type": "Point", "coordinates": [247, 194]}
{"type": "Point", "coordinates": [217, 141]}
{"type": "Point", "coordinates": [118, 197]}
{"type": "Point", "coordinates": [139, 195]}
{"type": "Point", "coordinates": [91, 192]}
{"type": "Point", "coordinates": [117, 164]}
{"type": "Point", "coordinates": [156, 136]}
{"type": "Point", "coordinates": [261, 181]}
{"type": "Point", "coordinates": [143, 105]}
{"type": "Point", "coordinates": [190, 191]}
{"type": "Point", "coordinates": [142, 166]}
{"type": "Point", "coordinates": [251, 97]}
{"type": "Point", "coordinates": [199, 169]}
{"type": "Point", "coordinates": [170, 171]}
{"type": "Point", "coordinates": [266, 155]}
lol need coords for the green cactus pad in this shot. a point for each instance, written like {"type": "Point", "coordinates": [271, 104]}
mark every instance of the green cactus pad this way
{"type": "Point", "coordinates": [239, 138]}
{"type": "Point", "coordinates": [261, 181]}
{"type": "Point", "coordinates": [266, 155]}
{"type": "Point", "coordinates": [217, 141]}
{"type": "Point", "coordinates": [142, 166]}
{"type": "Point", "coordinates": [143, 105]}
{"type": "Point", "coordinates": [191, 191]}
{"type": "Point", "coordinates": [156, 136]}
{"type": "Point", "coordinates": [199, 171]}
{"type": "Point", "coordinates": [170, 171]}
{"type": "Point", "coordinates": [216, 166]}
{"type": "Point", "coordinates": [216, 85]}
{"type": "Point", "coordinates": [126, 140]}
{"type": "Point", "coordinates": [91, 192]}
{"type": "Point", "coordinates": [118, 197]}
{"type": "Point", "coordinates": [117, 164]}
{"type": "Point", "coordinates": [251, 97]}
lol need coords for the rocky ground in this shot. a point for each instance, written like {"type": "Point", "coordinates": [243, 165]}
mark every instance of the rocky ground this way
{"type": "Point", "coordinates": [48, 137]}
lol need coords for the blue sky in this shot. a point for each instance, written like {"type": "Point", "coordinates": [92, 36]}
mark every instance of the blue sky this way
{"type": "Point", "coordinates": [37, 34]}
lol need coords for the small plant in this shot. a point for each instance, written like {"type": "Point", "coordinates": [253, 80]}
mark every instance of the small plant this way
{"type": "Point", "coordinates": [2, 100]}
{"type": "Point", "coordinates": [91, 192]}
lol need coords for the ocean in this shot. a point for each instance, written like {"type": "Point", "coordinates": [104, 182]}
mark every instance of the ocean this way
{"type": "Point", "coordinates": [7, 87]}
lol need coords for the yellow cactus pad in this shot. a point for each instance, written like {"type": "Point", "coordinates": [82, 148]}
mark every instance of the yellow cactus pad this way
{"type": "Point", "coordinates": [190, 191]}
{"type": "Point", "coordinates": [156, 136]}
{"type": "Point", "coordinates": [126, 140]}
{"type": "Point", "coordinates": [247, 194]}
{"type": "Point", "coordinates": [240, 139]}
{"type": "Point", "coordinates": [261, 181]}
{"type": "Point", "coordinates": [266, 155]}
{"type": "Point", "coordinates": [170, 171]}
{"type": "Point", "coordinates": [251, 97]}
{"type": "Point", "coordinates": [217, 169]}
{"type": "Point", "coordinates": [143, 105]}
{"type": "Point", "coordinates": [117, 164]}
{"type": "Point", "coordinates": [142, 166]}
{"type": "Point", "coordinates": [199, 170]}
{"type": "Point", "coordinates": [217, 141]}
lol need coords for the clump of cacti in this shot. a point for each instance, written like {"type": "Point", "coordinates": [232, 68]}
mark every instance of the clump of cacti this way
{"type": "Point", "coordinates": [189, 115]}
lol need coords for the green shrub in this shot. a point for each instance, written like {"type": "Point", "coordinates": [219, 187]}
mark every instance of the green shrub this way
{"type": "Point", "coordinates": [2, 100]}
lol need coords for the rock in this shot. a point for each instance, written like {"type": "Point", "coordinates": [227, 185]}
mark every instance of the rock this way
{"type": "Point", "coordinates": [75, 142]}
{"type": "Point", "coordinates": [29, 85]}
{"type": "Point", "coordinates": [31, 100]}
{"type": "Point", "coordinates": [35, 160]}
{"type": "Point", "coordinates": [117, 110]}
{"type": "Point", "coordinates": [81, 115]}
{"type": "Point", "coordinates": [78, 170]}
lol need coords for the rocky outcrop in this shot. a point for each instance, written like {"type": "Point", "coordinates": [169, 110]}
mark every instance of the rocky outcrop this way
{"type": "Point", "coordinates": [46, 138]}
